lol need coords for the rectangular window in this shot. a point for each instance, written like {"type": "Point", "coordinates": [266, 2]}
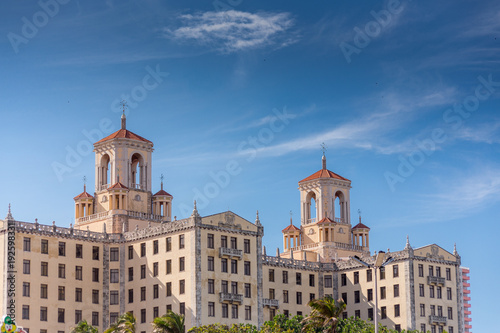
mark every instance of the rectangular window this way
{"type": "Point", "coordinates": [439, 292]}
{"type": "Point", "coordinates": [95, 274]}
{"type": "Point", "coordinates": [26, 312]}
{"type": "Point", "coordinates": [272, 313]}
{"type": "Point", "coordinates": [156, 290]}
{"type": "Point", "coordinates": [113, 317]}
{"type": "Point", "coordinates": [181, 264]}
{"type": "Point", "coordinates": [26, 266]}
{"type": "Point", "coordinates": [114, 276]}
{"type": "Point", "coordinates": [420, 270]}
{"type": "Point", "coordinates": [26, 289]}
{"type": "Point", "coordinates": [271, 275]}
{"type": "Point", "coordinates": [356, 277]}
{"type": "Point", "coordinates": [211, 264]}
{"type": "Point", "coordinates": [450, 329]}
{"type": "Point", "coordinates": [114, 254]}
{"type": "Point", "coordinates": [156, 312]}
{"type": "Point", "coordinates": [182, 287]}
{"type": "Point", "coordinates": [224, 286]}
{"type": "Point", "coordinates": [382, 293]}
{"type": "Point", "coordinates": [272, 293]}
{"type": "Point", "coordinates": [382, 273]}
{"type": "Point", "coordinates": [298, 278]}
{"type": "Point", "coordinates": [131, 273]}
{"type": "Point", "coordinates": [383, 312]}
{"type": "Point", "coordinates": [450, 313]}
{"type": "Point", "coordinates": [248, 312]}
{"type": "Point", "coordinates": [234, 266]}
{"type": "Point", "coordinates": [423, 328]}
{"type": "Point", "coordinates": [79, 273]}
{"type": "Point", "coordinates": [169, 266]}
{"type": "Point", "coordinates": [344, 297]}
{"type": "Point", "coordinates": [62, 271]}
{"type": "Point", "coordinates": [421, 290]}
{"type": "Point", "coordinates": [43, 313]}
{"type": "Point", "coordinates": [299, 297]}
{"type": "Point", "coordinates": [143, 316]}
{"type": "Point", "coordinates": [78, 294]}
{"type": "Point", "coordinates": [78, 316]}
{"type": "Point", "coordinates": [130, 252]}
{"type": "Point", "coordinates": [79, 251]}
{"type": "Point", "coordinates": [246, 267]}
{"type": "Point", "coordinates": [234, 311]}
{"type": "Point", "coordinates": [44, 269]}
{"type": "Point", "coordinates": [143, 294]}
{"type": "Point", "coordinates": [285, 276]}
{"type": "Point", "coordinates": [433, 310]}
{"type": "Point", "coordinates": [369, 276]}
{"type": "Point", "coordinates": [155, 269]}
{"type": "Point", "coordinates": [62, 249]}
{"type": "Point", "coordinates": [246, 245]}
{"type": "Point", "coordinates": [181, 241]}
{"type": "Point", "coordinates": [328, 281]}
{"type": "Point", "coordinates": [343, 279]}
{"type": "Point", "coordinates": [248, 290]}
{"type": "Point", "coordinates": [211, 286]}
{"type": "Point", "coordinates": [285, 296]}
{"type": "Point", "coordinates": [398, 327]}
{"type": "Point", "coordinates": [95, 296]}
{"type": "Point", "coordinates": [431, 291]}
{"type": "Point", "coordinates": [223, 266]}
{"type": "Point", "coordinates": [370, 314]}
{"type": "Point", "coordinates": [396, 290]}
{"type": "Point", "coordinates": [357, 298]}
{"type": "Point", "coordinates": [370, 295]}
{"type": "Point", "coordinates": [225, 311]}
{"type": "Point", "coordinates": [396, 310]}
{"type": "Point", "coordinates": [155, 247]}
{"type": "Point", "coordinates": [169, 289]}
{"type": "Point", "coordinates": [182, 308]}
{"type": "Point", "coordinates": [234, 288]}
{"type": "Point", "coordinates": [448, 275]}
{"type": "Point", "coordinates": [395, 270]}
{"type": "Point", "coordinates": [27, 244]}
{"type": "Point", "coordinates": [234, 244]}
{"type": "Point", "coordinates": [143, 271]}
{"type": "Point", "coordinates": [43, 291]}
{"type": "Point", "coordinates": [440, 311]}
{"type": "Point", "coordinates": [422, 310]}
{"type": "Point", "coordinates": [311, 280]}
{"type": "Point", "coordinates": [168, 244]}
{"type": "Point", "coordinates": [438, 271]}
{"type": "Point", "coordinates": [95, 318]}
{"type": "Point", "coordinates": [357, 313]}
{"type": "Point", "coordinates": [61, 293]}
{"type": "Point", "coordinates": [211, 309]}
{"type": "Point", "coordinates": [131, 295]}
{"type": "Point", "coordinates": [210, 241]}
{"type": "Point", "coordinates": [113, 297]}
{"type": "Point", "coordinates": [448, 294]}
{"type": "Point", "coordinates": [44, 246]}
{"type": "Point", "coordinates": [60, 315]}
{"type": "Point", "coordinates": [223, 241]}
{"type": "Point", "coordinates": [143, 250]}
{"type": "Point", "coordinates": [431, 270]}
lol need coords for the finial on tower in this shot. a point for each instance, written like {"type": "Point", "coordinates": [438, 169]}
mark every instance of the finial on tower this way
{"type": "Point", "coordinates": [9, 214]}
{"type": "Point", "coordinates": [124, 119]}
{"type": "Point", "coordinates": [408, 246]}
{"type": "Point", "coordinates": [84, 184]}
{"type": "Point", "coordinates": [291, 217]}
{"type": "Point", "coordinates": [257, 219]}
{"type": "Point", "coordinates": [161, 177]}
{"type": "Point", "coordinates": [359, 212]}
{"type": "Point", "coordinates": [455, 252]}
{"type": "Point", "coordinates": [195, 211]}
{"type": "Point", "coordinates": [323, 159]}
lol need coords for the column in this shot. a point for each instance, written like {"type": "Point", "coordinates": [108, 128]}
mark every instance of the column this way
{"type": "Point", "coordinates": [76, 210]}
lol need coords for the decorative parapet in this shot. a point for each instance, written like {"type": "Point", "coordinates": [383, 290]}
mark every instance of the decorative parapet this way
{"type": "Point", "coordinates": [271, 302]}
{"type": "Point", "coordinates": [435, 280]}
{"type": "Point", "coordinates": [337, 245]}
{"type": "Point", "coordinates": [437, 320]}
{"type": "Point", "coordinates": [232, 298]}
{"type": "Point", "coordinates": [296, 264]}
{"type": "Point", "coordinates": [338, 220]}
{"type": "Point", "coordinates": [224, 251]}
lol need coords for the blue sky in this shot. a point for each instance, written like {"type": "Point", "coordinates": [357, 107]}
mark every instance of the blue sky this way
{"type": "Point", "coordinates": [404, 94]}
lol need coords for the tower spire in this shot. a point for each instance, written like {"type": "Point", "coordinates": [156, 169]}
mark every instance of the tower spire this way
{"type": "Point", "coordinates": [124, 119]}
{"type": "Point", "coordinates": [9, 215]}
{"type": "Point", "coordinates": [323, 159]}
{"type": "Point", "coordinates": [161, 182]}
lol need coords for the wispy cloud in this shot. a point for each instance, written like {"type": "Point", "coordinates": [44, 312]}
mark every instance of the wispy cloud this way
{"type": "Point", "coordinates": [232, 31]}
{"type": "Point", "coordinates": [485, 133]}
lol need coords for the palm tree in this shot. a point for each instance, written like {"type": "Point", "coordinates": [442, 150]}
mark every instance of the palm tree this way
{"type": "Point", "coordinates": [84, 327]}
{"type": "Point", "coordinates": [324, 314]}
{"type": "Point", "coordinates": [124, 324]}
{"type": "Point", "coordinates": [170, 322]}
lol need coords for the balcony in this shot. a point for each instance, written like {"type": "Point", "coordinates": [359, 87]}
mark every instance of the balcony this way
{"type": "Point", "coordinates": [224, 251]}
{"type": "Point", "coordinates": [466, 299]}
{"type": "Point", "coordinates": [467, 305]}
{"type": "Point", "coordinates": [437, 320]}
{"type": "Point", "coordinates": [232, 298]}
{"type": "Point", "coordinates": [466, 291]}
{"type": "Point", "coordinates": [435, 280]}
{"type": "Point", "coordinates": [271, 302]}
{"type": "Point", "coordinates": [468, 319]}
{"type": "Point", "coordinates": [466, 285]}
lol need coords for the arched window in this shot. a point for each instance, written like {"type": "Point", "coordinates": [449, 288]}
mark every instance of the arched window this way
{"type": "Point", "coordinates": [340, 206]}
{"type": "Point", "coordinates": [137, 171]}
{"type": "Point", "coordinates": [311, 208]}
{"type": "Point", "coordinates": [105, 172]}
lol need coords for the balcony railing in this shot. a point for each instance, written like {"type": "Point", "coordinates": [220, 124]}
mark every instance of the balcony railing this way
{"type": "Point", "coordinates": [137, 186]}
{"type": "Point", "coordinates": [102, 187]}
{"type": "Point", "coordinates": [437, 320]}
{"type": "Point", "coordinates": [336, 219]}
{"type": "Point", "coordinates": [233, 298]}
{"type": "Point", "coordinates": [224, 251]}
{"type": "Point", "coordinates": [435, 280]}
{"type": "Point", "coordinates": [271, 302]}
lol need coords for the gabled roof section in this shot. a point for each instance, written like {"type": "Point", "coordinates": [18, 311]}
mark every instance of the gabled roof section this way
{"type": "Point", "coordinates": [323, 173]}
{"type": "Point", "coordinates": [162, 192]}
{"type": "Point", "coordinates": [117, 186]}
{"type": "Point", "coordinates": [360, 226]}
{"type": "Point", "coordinates": [123, 134]}
{"type": "Point", "coordinates": [83, 195]}
{"type": "Point", "coordinates": [326, 220]}
{"type": "Point", "coordinates": [291, 227]}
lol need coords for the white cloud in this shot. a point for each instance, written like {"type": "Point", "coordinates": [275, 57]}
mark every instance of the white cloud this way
{"type": "Point", "coordinates": [232, 31]}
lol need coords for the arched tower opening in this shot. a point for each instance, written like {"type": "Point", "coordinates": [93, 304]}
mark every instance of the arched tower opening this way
{"type": "Point", "coordinates": [311, 207]}
{"type": "Point", "coordinates": [340, 206]}
{"type": "Point", "coordinates": [105, 172]}
{"type": "Point", "coordinates": [137, 171]}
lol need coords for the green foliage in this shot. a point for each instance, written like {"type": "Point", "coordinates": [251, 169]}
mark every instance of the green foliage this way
{"type": "Point", "coordinates": [221, 328]}
{"type": "Point", "coordinates": [356, 325]}
{"type": "Point", "coordinates": [124, 324]}
{"type": "Point", "coordinates": [84, 327]}
{"type": "Point", "coordinates": [283, 324]}
{"type": "Point", "coordinates": [170, 322]}
{"type": "Point", "coordinates": [324, 315]}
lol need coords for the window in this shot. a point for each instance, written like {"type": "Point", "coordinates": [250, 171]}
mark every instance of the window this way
{"type": "Point", "coordinates": [357, 313]}
{"type": "Point", "coordinates": [234, 244]}
{"type": "Point", "coordinates": [143, 294]}
{"type": "Point", "coordinates": [62, 249]}
{"type": "Point", "coordinates": [182, 308]}
{"type": "Point", "coordinates": [62, 271]}
{"type": "Point", "coordinates": [440, 311]}
{"type": "Point", "coordinates": [439, 292]}
{"type": "Point", "coordinates": [143, 271]}
{"type": "Point", "coordinates": [156, 290]}
{"type": "Point", "coordinates": [311, 280]}
{"type": "Point", "coordinates": [210, 241]}
{"type": "Point", "coordinates": [211, 309]}
{"type": "Point", "coordinates": [43, 291]}
{"type": "Point", "coordinates": [26, 312]}
{"type": "Point", "coordinates": [272, 293]}
{"type": "Point", "coordinates": [343, 279]}
{"type": "Point", "coordinates": [271, 275]}
{"type": "Point", "coordinates": [143, 250]}
{"type": "Point", "coordinates": [225, 311]}
{"type": "Point", "coordinates": [420, 270]}
{"type": "Point", "coordinates": [438, 271]}
{"type": "Point", "coordinates": [370, 314]}
{"type": "Point", "coordinates": [431, 270]}
{"type": "Point", "coordinates": [285, 296]}
{"type": "Point", "coordinates": [248, 312]}
{"type": "Point", "coordinates": [79, 273]}
{"type": "Point", "coordinates": [131, 295]}
{"type": "Point", "coordinates": [169, 266]}
{"type": "Point", "coordinates": [328, 281]}
{"type": "Point", "coordinates": [285, 276]}
{"type": "Point", "coordinates": [382, 273]}
{"type": "Point", "coordinates": [422, 310]}
{"type": "Point", "coordinates": [382, 293]}
{"type": "Point", "coordinates": [211, 286]}
{"type": "Point", "coordinates": [27, 244]}
{"type": "Point", "coordinates": [169, 289]}
{"type": "Point", "coordinates": [61, 293]}
{"type": "Point", "coordinates": [395, 270]}
{"type": "Point", "coordinates": [299, 297]}
{"type": "Point", "coordinates": [60, 315]}
{"type": "Point", "coordinates": [155, 269]}
{"type": "Point", "coordinates": [356, 277]}
{"type": "Point", "coordinates": [298, 278]}
{"type": "Point", "coordinates": [398, 327]}
{"type": "Point", "coordinates": [79, 251]}
{"type": "Point", "coordinates": [223, 266]}
{"type": "Point", "coordinates": [44, 246]}
{"type": "Point", "coordinates": [431, 291]}
{"type": "Point", "coordinates": [396, 310]}
{"type": "Point", "coordinates": [113, 317]}
{"type": "Point", "coordinates": [43, 313]}
{"type": "Point", "coordinates": [422, 328]}
{"type": "Point", "coordinates": [234, 287]}
{"type": "Point", "coordinates": [26, 267]}
{"type": "Point", "coordinates": [114, 276]}
{"type": "Point", "coordinates": [95, 318]}
{"type": "Point", "coordinates": [224, 286]}
{"type": "Point", "coordinates": [234, 266]}
{"type": "Point", "coordinates": [356, 296]}
{"type": "Point", "coordinates": [143, 316]}
{"type": "Point", "coordinates": [130, 252]}
{"type": "Point", "coordinates": [448, 276]}
{"type": "Point", "coordinates": [181, 264]}
{"type": "Point", "coordinates": [246, 267]}
{"type": "Point", "coordinates": [182, 286]}
{"type": "Point", "coordinates": [421, 290]}
{"type": "Point", "coordinates": [181, 241]}
{"type": "Point", "coordinates": [155, 248]}
{"type": "Point", "coordinates": [113, 298]}
{"type": "Point", "coordinates": [168, 244]}
{"type": "Point", "coordinates": [344, 297]}
{"type": "Point", "coordinates": [448, 294]}
{"type": "Point", "coordinates": [131, 273]}
{"type": "Point", "coordinates": [383, 312]}
{"type": "Point", "coordinates": [248, 290]}
{"type": "Point", "coordinates": [114, 254]}
{"type": "Point", "coordinates": [396, 290]}
{"type": "Point", "coordinates": [78, 316]}
{"type": "Point", "coordinates": [450, 329]}
{"type": "Point", "coordinates": [369, 276]}
{"type": "Point", "coordinates": [156, 312]}
{"type": "Point", "coordinates": [211, 266]}
{"type": "Point", "coordinates": [370, 295]}
{"type": "Point", "coordinates": [246, 247]}
{"type": "Point", "coordinates": [433, 310]}
{"type": "Point", "coordinates": [234, 311]}
{"type": "Point", "coordinates": [95, 296]}
{"type": "Point", "coordinates": [95, 274]}
{"type": "Point", "coordinates": [223, 241]}
{"type": "Point", "coordinates": [26, 289]}
{"type": "Point", "coordinates": [272, 313]}
{"type": "Point", "coordinates": [78, 294]}
{"type": "Point", "coordinates": [450, 313]}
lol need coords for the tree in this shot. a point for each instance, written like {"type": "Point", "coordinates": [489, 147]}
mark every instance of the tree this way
{"type": "Point", "coordinates": [124, 324]}
{"type": "Point", "coordinates": [283, 324]}
{"type": "Point", "coordinates": [324, 314]}
{"type": "Point", "coordinates": [170, 322]}
{"type": "Point", "coordinates": [84, 327]}
{"type": "Point", "coordinates": [221, 328]}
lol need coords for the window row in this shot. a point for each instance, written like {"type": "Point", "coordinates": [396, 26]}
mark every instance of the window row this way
{"type": "Point", "coordinates": [369, 294]}
{"type": "Point", "coordinates": [433, 311]}
{"type": "Point", "coordinates": [224, 242]}
{"type": "Point", "coordinates": [156, 246]}
{"type": "Point", "coordinates": [436, 328]}
{"type": "Point", "coordinates": [383, 312]}
{"type": "Point", "coordinates": [431, 271]}
{"type": "Point", "coordinates": [155, 272]}
{"type": "Point", "coordinates": [435, 292]}
{"type": "Point", "coordinates": [369, 275]}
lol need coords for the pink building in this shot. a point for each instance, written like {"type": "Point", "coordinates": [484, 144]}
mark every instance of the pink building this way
{"type": "Point", "coordinates": [466, 292]}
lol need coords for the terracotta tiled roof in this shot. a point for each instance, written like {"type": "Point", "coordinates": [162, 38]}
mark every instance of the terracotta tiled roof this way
{"type": "Point", "coordinates": [326, 220]}
{"type": "Point", "coordinates": [291, 227]}
{"type": "Point", "coordinates": [360, 226]}
{"type": "Point", "coordinates": [117, 186]}
{"type": "Point", "coordinates": [123, 134]}
{"type": "Point", "coordinates": [323, 173]}
{"type": "Point", "coordinates": [84, 194]}
{"type": "Point", "coordinates": [162, 192]}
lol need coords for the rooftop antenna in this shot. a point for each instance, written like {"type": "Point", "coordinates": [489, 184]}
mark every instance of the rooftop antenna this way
{"type": "Point", "coordinates": [124, 119]}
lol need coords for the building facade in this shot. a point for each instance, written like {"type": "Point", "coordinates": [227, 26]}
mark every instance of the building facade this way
{"type": "Point", "coordinates": [125, 253]}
